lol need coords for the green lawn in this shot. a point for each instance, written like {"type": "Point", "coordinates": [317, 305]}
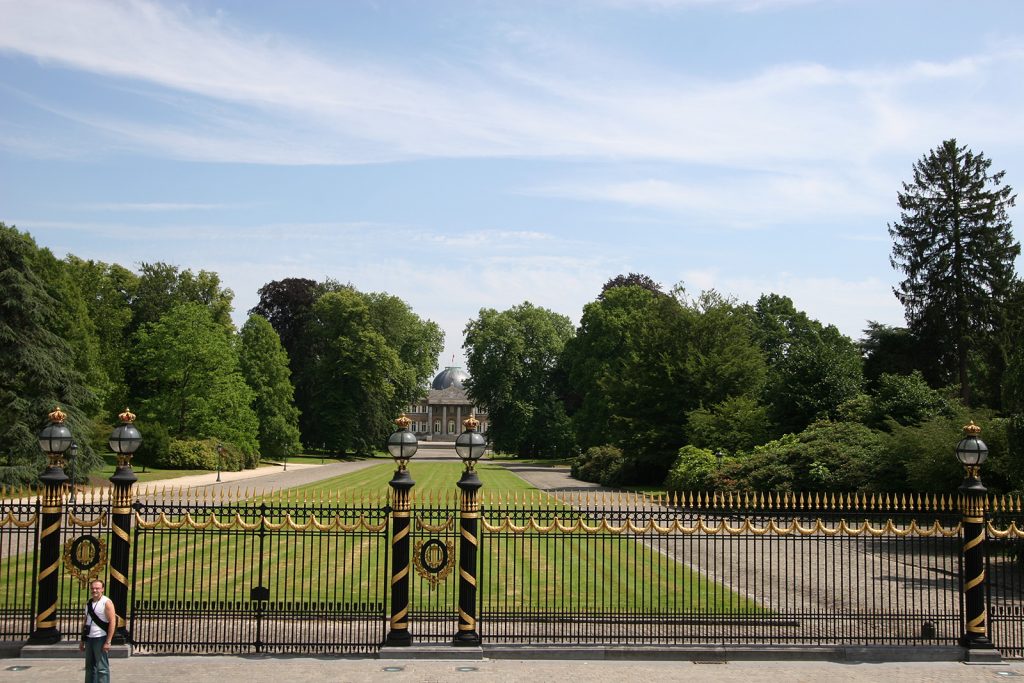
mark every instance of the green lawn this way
{"type": "Point", "coordinates": [522, 572]}
{"type": "Point", "coordinates": [519, 571]}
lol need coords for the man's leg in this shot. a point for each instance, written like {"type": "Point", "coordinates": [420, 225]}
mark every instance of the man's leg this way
{"type": "Point", "coordinates": [90, 662]}
{"type": "Point", "coordinates": [102, 662]}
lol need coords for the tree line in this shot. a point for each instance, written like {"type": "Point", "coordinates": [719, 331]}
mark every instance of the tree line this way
{"type": "Point", "coordinates": [706, 392]}
{"type": "Point", "coordinates": [320, 364]}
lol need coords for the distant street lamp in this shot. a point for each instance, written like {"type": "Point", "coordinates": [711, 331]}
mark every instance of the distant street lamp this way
{"type": "Point", "coordinates": [220, 456]}
{"type": "Point", "coordinates": [72, 457]}
{"type": "Point", "coordinates": [719, 457]}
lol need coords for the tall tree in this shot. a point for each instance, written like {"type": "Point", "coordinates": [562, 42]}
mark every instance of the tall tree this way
{"type": "Point", "coordinates": [288, 305]}
{"type": "Point", "coordinates": [44, 362]}
{"type": "Point", "coordinates": [190, 380]}
{"type": "Point", "coordinates": [511, 356]}
{"type": "Point", "coordinates": [813, 368]}
{"type": "Point", "coordinates": [352, 396]}
{"type": "Point", "coordinates": [955, 246]}
{"type": "Point", "coordinates": [264, 365]}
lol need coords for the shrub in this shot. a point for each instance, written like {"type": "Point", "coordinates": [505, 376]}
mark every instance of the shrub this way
{"type": "Point", "coordinates": [694, 470]}
{"type": "Point", "coordinates": [600, 464]}
{"type": "Point", "coordinates": [193, 454]}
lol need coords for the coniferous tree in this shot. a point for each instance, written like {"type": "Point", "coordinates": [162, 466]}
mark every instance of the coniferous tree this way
{"type": "Point", "coordinates": [44, 358]}
{"type": "Point", "coordinates": [264, 365]}
{"type": "Point", "coordinates": [955, 246]}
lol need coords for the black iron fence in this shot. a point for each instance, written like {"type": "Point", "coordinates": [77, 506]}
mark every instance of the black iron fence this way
{"type": "Point", "coordinates": [275, 574]}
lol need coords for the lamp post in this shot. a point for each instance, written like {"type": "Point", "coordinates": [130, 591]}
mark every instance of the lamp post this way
{"type": "Point", "coordinates": [72, 459]}
{"type": "Point", "coordinates": [719, 457]}
{"type": "Point", "coordinates": [470, 446]}
{"type": "Point", "coordinates": [972, 452]}
{"type": "Point", "coordinates": [124, 440]}
{"type": "Point", "coordinates": [54, 440]}
{"type": "Point", "coordinates": [220, 455]}
{"type": "Point", "coordinates": [402, 445]}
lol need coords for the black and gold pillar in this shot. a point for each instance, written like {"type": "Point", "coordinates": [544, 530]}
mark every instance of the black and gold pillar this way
{"type": "Point", "coordinates": [401, 486]}
{"type": "Point", "coordinates": [120, 544]}
{"type": "Point", "coordinates": [402, 445]}
{"type": "Point", "coordinates": [469, 525]}
{"type": "Point", "coordinates": [54, 439]}
{"type": "Point", "coordinates": [124, 440]}
{"type": "Point", "coordinates": [972, 507]}
{"type": "Point", "coordinates": [972, 452]}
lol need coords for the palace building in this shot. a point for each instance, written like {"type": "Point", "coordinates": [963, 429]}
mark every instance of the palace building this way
{"type": "Point", "coordinates": [439, 416]}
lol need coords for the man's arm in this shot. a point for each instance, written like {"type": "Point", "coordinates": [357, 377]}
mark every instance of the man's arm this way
{"type": "Point", "coordinates": [111, 620]}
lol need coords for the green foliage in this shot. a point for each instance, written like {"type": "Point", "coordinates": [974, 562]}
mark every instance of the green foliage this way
{"type": "Point", "coordinates": [736, 424]}
{"type": "Point", "coordinates": [599, 464]}
{"type": "Point", "coordinates": [641, 362]}
{"type": "Point", "coordinates": [921, 458]}
{"type": "Point", "coordinates": [888, 350]}
{"type": "Point", "coordinates": [370, 358]}
{"type": "Point", "coordinates": [161, 287]}
{"type": "Point", "coordinates": [264, 364]}
{"type": "Point", "coordinates": [156, 441]}
{"type": "Point", "coordinates": [814, 369]}
{"type": "Point", "coordinates": [695, 469]}
{"type": "Point", "coordinates": [201, 454]}
{"type": "Point", "coordinates": [955, 245]}
{"type": "Point", "coordinates": [48, 350]}
{"type": "Point", "coordinates": [511, 356]}
{"type": "Point", "coordinates": [907, 399]}
{"type": "Point", "coordinates": [827, 456]}
{"type": "Point", "coordinates": [190, 379]}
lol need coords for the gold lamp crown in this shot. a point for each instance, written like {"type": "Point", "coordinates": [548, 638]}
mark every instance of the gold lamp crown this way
{"type": "Point", "coordinates": [471, 423]}
{"type": "Point", "coordinates": [971, 429]}
{"type": "Point", "coordinates": [127, 416]}
{"type": "Point", "coordinates": [58, 416]}
{"type": "Point", "coordinates": [403, 421]}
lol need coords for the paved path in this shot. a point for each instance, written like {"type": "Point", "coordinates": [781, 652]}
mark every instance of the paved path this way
{"type": "Point", "coordinates": [255, 668]}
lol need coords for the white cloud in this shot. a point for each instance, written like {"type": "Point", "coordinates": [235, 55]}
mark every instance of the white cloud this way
{"type": "Point", "coordinates": [281, 103]}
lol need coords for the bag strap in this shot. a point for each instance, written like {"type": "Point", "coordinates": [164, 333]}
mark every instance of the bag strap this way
{"type": "Point", "coordinates": [96, 620]}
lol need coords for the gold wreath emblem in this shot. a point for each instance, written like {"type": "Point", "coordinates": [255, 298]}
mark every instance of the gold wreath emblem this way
{"type": "Point", "coordinates": [85, 557]}
{"type": "Point", "coordinates": [434, 560]}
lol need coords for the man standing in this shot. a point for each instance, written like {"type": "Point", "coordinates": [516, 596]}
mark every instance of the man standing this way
{"type": "Point", "coordinates": [100, 622]}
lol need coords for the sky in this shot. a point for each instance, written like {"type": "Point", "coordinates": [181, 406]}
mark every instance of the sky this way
{"type": "Point", "coordinates": [478, 154]}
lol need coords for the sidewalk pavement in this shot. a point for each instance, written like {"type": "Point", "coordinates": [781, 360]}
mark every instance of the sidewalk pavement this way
{"type": "Point", "coordinates": [257, 668]}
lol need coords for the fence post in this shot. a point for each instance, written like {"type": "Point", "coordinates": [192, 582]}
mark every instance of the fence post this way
{"type": "Point", "coordinates": [402, 445]}
{"type": "Point", "coordinates": [120, 545]}
{"type": "Point", "coordinates": [469, 446]}
{"type": "Point", "coordinates": [54, 480]}
{"type": "Point", "coordinates": [124, 441]}
{"type": "Point", "coordinates": [972, 452]}
{"type": "Point", "coordinates": [401, 485]}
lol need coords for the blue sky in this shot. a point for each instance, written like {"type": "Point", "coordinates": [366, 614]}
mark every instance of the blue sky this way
{"type": "Point", "coordinates": [478, 154]}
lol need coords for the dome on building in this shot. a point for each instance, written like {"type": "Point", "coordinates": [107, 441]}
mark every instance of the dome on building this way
{"type": "Point", "coordinates": [450, 377]}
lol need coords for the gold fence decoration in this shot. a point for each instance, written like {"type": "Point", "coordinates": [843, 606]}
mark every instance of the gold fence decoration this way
{"type": "Point", "coordinates": [1012, 531]}
{"type": "Point", "coordinates": [9, 518]}
{"type": "Point", "coordinates": [187, 521]}
{"type": "Point", "coordinates": [423, 525]}
{"type": "Point", "coordinates": [793, 528]}
{"type": "Point", "coordinates": [75, 520]}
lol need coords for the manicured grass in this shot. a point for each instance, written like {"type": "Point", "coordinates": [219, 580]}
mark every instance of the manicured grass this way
{"type": "Point", "coordinates": [101, 477]}
{"type": "Point", "coordinates": [430, 477]}
{"type": "Point", "coordinates": [520, 572]}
